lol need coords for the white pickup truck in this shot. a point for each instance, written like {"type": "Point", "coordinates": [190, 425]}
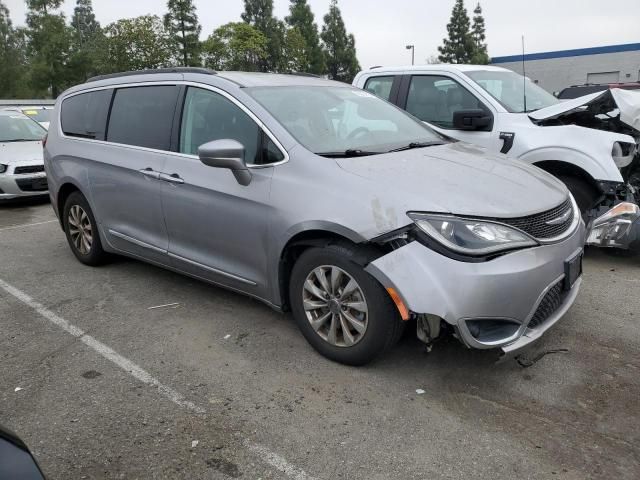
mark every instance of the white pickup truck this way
{"type": "Point", "coordinates": [590, 143]}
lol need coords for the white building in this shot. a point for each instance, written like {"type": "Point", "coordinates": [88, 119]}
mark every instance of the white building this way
{"type": "Point", "coordinates": [554, 71]}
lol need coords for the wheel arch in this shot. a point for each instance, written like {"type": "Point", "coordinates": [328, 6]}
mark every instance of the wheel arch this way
{"type": "Point", "coordinates": [316, 235]}
{"type": "Point", "coordinates": [63, 193]}
{"type": "Point", "coordinates": [559, 167]}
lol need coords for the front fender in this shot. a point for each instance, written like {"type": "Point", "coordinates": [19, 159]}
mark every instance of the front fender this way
{"type": "Point", "coordinates": [599, 167]}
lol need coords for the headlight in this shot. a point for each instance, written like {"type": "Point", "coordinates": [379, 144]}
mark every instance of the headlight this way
{"type": "Point", "coordinates": [471, 237]}
{"type": "Point", "coordinates": [3, 168]}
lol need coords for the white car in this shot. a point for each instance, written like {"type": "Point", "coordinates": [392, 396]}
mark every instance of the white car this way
{"type": "Point", "coordinates": [21, 159]}
{"type": "Point", "coordinates": [39, 113]}
{"type": "Point", "coordinates": [590, 143]}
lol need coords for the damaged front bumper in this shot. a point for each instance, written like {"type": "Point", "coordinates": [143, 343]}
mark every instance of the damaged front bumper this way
{"type": "Point", "coordinates": [507, 302]}
{"type": "Point", "coordinates": [617, 228]}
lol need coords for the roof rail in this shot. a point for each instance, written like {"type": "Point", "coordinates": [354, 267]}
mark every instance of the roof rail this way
{"type": "Point", "coordinates": [302, 74]}
{"type": "Point", "coordinates": [204, 71]}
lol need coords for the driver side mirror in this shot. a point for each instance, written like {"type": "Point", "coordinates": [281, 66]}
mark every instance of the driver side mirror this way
{"type": "Point", "coordinates": [476, 119]}
{"type": "Point", "coordinates": [227, 154]}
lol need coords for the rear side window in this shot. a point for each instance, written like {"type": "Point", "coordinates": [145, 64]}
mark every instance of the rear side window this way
{"type": "Point", "coordinates": [85, 115]}
{"type": "Point", "coordinates": [142, 116]}
{"type": "Point", "coordinates": [380, 86]}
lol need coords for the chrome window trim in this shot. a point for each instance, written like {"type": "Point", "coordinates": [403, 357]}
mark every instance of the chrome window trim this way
{"type": "Point", "coordinates": [203, 86]}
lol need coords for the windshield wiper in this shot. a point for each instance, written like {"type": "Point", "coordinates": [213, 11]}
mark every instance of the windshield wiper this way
{"type": "Point", "coordinates": [350, 152]}
{"type": "Point", "coordinates": [416, 145]}
{"type": "Point", "coordinates": [20, 140]}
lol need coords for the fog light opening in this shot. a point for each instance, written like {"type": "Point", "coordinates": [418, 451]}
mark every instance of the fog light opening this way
{"type": "Point", "coordinates": [492, 330]}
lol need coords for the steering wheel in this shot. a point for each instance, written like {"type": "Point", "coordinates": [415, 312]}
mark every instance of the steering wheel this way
{"type": "Point", "coordinates": [358, 132]}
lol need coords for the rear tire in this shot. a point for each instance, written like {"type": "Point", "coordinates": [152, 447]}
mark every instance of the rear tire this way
{"type": "Point", "coordinates": [352, 336]}
{"type": "Point", "coordinates": [584, 193]}
{"type": "Point", "coordinates": [82, 231]}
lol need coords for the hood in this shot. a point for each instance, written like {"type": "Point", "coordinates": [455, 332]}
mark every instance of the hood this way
{"type": "Point", "coordinates": [624, 104]}
{"type": "Point", "coordinates": [458, 178]}
{"type": "Point", "coordinates": [16, 152]}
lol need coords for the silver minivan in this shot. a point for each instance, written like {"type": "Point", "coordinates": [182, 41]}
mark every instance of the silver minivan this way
{"type": "Point", "coordinates": [315, 197]}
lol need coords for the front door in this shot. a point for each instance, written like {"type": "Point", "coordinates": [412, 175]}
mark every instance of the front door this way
{"type": "Point", "coordinates": [435, 98]}
{"type": "Point", "coordinates": [218, 228]}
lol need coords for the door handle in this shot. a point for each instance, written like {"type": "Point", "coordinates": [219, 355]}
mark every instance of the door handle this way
{"type": "Point", "coordinates": [150, 172]}
{"type": "Point", "coordinates": [173, 178]}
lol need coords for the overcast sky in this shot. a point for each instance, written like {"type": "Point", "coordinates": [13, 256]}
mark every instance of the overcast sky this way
{"type": "Point", "coordinates": [383, 28]}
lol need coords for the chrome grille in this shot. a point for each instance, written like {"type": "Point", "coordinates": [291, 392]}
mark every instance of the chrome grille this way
{"type": "Point", "coordinates": [537, 226]}
{"type": "Point", "coordinates": [549, 304]}
{"type": "Point", "coordinates": [29, 169]}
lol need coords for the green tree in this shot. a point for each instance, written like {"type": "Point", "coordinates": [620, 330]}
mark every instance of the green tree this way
{"type": "Point", "coordinates": [259, 14]}
{"type": "Point", "coordinates": [459, 46]}
{"type": "Point", "coordinates": [235, 46]}
{"type": "Point", "coordinates": [136, 44]}
{"type": "Point", "coordinates": [295, 52]}
{"type": "Point", "coordinates": [480, 54]}
{"type": "Point", "coordinates": [12, 58]}
{"type": "Point", "coordinates": [49, 44]}
{"type": "Point", "coordinates": [84, 23]}
{"type": "Point", "coordinates": [301, 18]}
{"type": "Point", "coordinates": [182, 24]}
{"type": "Point", "coordinates": [339, 47]}
{"type": "Point", "coordinates": [87, 40]}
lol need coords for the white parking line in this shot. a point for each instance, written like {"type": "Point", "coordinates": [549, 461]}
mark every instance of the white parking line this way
{"type": "Point", "coordinates": [13, 227]}
{"type": "Point", "coordinates": [122, 362]}
{"type": "Point", "coordinates": [266, 455]}
{"type": "Point", "coordinates": [278, 462]}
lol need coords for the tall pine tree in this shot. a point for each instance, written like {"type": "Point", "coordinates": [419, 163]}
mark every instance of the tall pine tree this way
{"type": "Point", "coordinates": [339, 47]}
{"type": "Point", "coordinates": [301, 18]}
{"type": "Point", "coordinates": [49, 46]}
{"type": "Point", "coordinates": [459, 46]}
{"type": "Point", "coordinates": [86, 42]}
{"type": "Point", "coordinates": [480, 54]}
{"type": "Point", "coordinates": [181, 22]}
{"type": "Point", "coordinates": [84, 22]}
{"type": "Point", "coordinates": [259, 14]}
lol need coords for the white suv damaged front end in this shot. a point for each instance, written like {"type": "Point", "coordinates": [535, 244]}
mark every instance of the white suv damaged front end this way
{"type": "Point", "coordinates": [615, 222]}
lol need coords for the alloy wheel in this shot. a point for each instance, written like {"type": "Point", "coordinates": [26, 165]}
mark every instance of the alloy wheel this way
{"type": "Point", "coordinates": [80, 229]}
{"type": "Point", "coordinates": [335, 306]}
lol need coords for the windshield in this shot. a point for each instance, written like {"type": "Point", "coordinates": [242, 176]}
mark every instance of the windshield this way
{"type": "Point", "coordinates": [342, 119]}
{"type": "Point", "coordinates": [18, 128]}
{"type": "Point", "coordinates": [509, 89]}
{"type": "Point", "coordinates": [39, 115]}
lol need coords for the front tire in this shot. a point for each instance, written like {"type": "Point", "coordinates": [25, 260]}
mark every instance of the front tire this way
{"type": "Point", "coordinates": [584, 193]}
{"type": "Point", "coordinates": [82, 231]}
{"type": "Point", "coordinates": [342, 311]}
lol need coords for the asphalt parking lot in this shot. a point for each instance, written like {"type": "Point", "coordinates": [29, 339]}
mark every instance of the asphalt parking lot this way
{"type": "Point", "coordinates": [101, 385]}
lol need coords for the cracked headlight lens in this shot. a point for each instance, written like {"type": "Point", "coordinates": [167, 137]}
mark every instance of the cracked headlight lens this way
{"type": "Point", "coordinates": [470, 236]}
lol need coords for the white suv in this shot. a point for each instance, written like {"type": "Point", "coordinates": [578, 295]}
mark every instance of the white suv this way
{"type": "Point", "coordinates": [590, 143]}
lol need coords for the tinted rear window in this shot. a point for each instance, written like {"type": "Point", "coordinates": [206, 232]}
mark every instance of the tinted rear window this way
{"type": "Point", "coordinates": [85, 115]}
{"type": "Point", "coordinates": [143, 116]}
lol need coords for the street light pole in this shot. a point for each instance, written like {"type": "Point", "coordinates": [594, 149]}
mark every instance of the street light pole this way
{"type": "Point", "coordinates": [413, 51]}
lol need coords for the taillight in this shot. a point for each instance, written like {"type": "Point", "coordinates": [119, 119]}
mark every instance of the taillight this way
{"type": "Point", "coordinates": [44, 140]}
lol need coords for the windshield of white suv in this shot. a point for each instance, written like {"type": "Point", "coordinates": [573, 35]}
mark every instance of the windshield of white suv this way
{"type": "Point", "coordinates": [18, 128]}
{"type": "Point", "coordinates": [509, 89]}
{"type": "Point", "coordinates": [335, 121]}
